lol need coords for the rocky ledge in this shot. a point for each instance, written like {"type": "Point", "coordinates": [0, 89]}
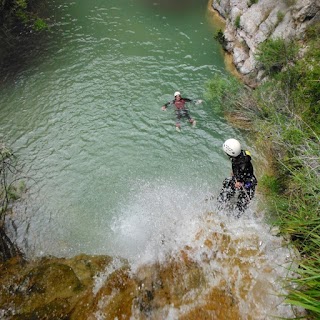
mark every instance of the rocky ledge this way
{"type": "Point", "coordinates": [251, 22]}
{"type": "Point", "coordinates": [221, 275]}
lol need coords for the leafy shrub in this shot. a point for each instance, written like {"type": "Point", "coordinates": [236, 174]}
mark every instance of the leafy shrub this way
{"type": "Point", "coordinates": [21, 14]}
{"type": "Point", "coordinates": [312, 32]}
{"type": "Point", "coordinates": [39, 24]}
{"type": "Point", "coordinates": [223, 91]}
{"type": "Point", "coordinates": [271, 184]}
{"type": "Point", "coordinates": [280, 16]}
{"type": "Point", "coordinates": [274, 54]}
{"type": "Point", "coordinates": [251, 2]}
{"type": "Point", "coordinates": [237, 22]}
{"type": "Point", "coordinates": [219, 36]}
{"type": "Point", "coordinates": [307, 93]}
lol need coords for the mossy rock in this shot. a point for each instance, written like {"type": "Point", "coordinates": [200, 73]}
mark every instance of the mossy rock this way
{"type": "Point", "coordinates": [58, 309]}
{"type": "Point", "coordinates": [84, 266]}
{"type": "Point", "coordinates": [44, 284]}
{"type": "Point", "coordinates": [48, 288]}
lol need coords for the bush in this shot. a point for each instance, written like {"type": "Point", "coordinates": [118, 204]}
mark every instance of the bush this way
{"type": "Point", "coordinates": [21, 14]}
{"type": "Point", "coordinates": [280, 16]}
{"type": "Point", "coordinates": [223, 89]}
{"type": "Point", "coordinates": [237, 22]}
{"type": "Point", "coordinates": [219, 36]}
{"type": "Point", "coordinates": [251, 2]}
{"type": "Point", "coordinates": [307, 94]}
{"type": "Point", "coordinates": [273, 55]}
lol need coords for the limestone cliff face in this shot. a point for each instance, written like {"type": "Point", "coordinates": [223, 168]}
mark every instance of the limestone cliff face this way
{"type": "Point", "coordinates": [250, 22]}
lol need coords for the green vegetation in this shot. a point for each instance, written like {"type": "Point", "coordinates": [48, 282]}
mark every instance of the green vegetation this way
{"type": "Point", "coordinates": [16, 15]}
{"type": "Point", "coordinates": [219, 36]}
{"type": "Point", "coordinates": [284, 113]}
{"type": "Point", "coordinates": [280, 16]}
{"type": "Point", "coordinates": [251, 2]}
{"type": "Point", "coordinates": [290, 3]}
{"type": "Point", "coordinates": [14, 11]}
{"type": "Point", "coordinates": [273, 55]}
{"type": "Point", "coordinates": [237, 22]}
{"type": "Point", "coordinates": [20, 21]}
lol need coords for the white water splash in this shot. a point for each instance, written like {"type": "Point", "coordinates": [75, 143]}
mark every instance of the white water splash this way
{"type": "Point", "coordinates": [158, 219]}
{"type": "Point", "coordinates": [161, 219]}
{"type": "Point", "coordinates": [100, 279]}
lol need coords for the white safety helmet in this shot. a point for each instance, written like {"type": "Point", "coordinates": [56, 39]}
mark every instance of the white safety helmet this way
{"type": "Point", "coordinates": [232, 147]}
{"type": "Point", "coordinates": [177, 93]}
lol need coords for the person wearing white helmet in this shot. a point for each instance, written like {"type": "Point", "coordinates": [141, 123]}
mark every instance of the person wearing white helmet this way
{"type": "Point", "coordinates": [242, 179]}
{"type": "Point", "coordinates": [180, 108]}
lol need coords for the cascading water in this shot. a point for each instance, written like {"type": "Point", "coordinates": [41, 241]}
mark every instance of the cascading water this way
{"type": "Point", "coordinates": [113, 177]}
{"type": "Point", "coordinates": [169, 231]}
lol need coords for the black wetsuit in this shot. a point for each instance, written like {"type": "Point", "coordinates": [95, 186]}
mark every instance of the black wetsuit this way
{"type": "Point", "coordinates": [180, 109]}
{"type": "Point", "coordinates": [242, 170]}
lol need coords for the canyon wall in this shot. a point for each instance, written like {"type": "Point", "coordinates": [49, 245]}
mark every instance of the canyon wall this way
{"type": "Point", "coordinates": [251, 22]}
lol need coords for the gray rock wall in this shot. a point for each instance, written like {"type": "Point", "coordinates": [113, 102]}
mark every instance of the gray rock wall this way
{"type": "Point", "coordinates": [250, 22]}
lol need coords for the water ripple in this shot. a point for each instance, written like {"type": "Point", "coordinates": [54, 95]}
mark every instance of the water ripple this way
{"type": "Point", "coordinates": [86, 117]}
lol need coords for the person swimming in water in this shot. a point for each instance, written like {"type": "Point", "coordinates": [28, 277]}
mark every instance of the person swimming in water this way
{"type": "Point", "coordinates": [180, 109]}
